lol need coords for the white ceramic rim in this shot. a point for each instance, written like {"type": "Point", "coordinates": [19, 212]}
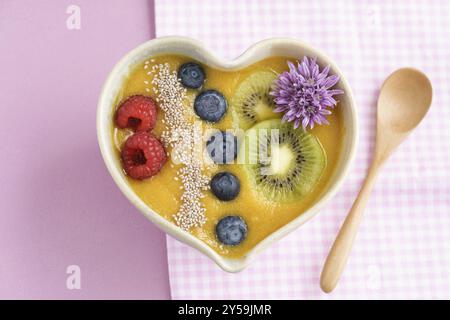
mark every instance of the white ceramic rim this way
{"type": "Point", "coordinates": [196, 50]}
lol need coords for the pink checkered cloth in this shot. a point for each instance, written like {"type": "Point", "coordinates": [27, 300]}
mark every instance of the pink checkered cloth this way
{"type": "Point", "coordinates": [403, 247]}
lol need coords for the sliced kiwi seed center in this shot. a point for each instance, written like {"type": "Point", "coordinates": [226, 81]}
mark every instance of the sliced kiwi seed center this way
{"type": "Point", "coordinates": [281, 159]}
{"type": "Point", "coordinates": [291, 164]}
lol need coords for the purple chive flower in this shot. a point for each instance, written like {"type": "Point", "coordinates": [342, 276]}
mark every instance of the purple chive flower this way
{"type": "Point", "coordinates": [304, 93]}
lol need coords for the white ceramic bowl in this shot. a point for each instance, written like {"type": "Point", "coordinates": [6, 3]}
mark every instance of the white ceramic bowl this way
{"type": "Point", "coordinates": [194, 49]}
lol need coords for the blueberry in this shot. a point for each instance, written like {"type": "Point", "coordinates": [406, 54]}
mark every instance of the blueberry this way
{"type": "Point", "coordinates": [222, 147]}
{"type": "Point", "coordinates": [231, 230]}
{"type": "Point", "coordinates": [192, 75]}
{"type": "Point", "coordinates": [225, 186]}
{"type": "Point", "coordinates": [210, 105]}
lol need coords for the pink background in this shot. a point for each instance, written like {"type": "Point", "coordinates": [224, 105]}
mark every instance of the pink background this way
{"type": "Point", "coordinates": [58, 204]}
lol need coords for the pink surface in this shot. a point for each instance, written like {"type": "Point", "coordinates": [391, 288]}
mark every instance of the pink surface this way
{"type": "Point", "coordinates": [58, 204]}
{"type": "Point", "coordinates": [403, 248]}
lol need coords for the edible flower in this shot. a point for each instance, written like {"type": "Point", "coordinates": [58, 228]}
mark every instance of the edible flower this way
{"type": "Point", "coordinates": [304, 93]}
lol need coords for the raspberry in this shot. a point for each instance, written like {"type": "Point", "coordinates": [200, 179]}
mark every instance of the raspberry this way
{"type": "Point", "coordinates": [137, 112]}
{"type": "Point", "coordinates": [143, 155]}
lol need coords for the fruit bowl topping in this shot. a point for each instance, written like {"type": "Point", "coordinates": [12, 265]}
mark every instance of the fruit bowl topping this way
{"type": "Point", "coordinates": [191, 75]}
{"type": "Point", "coordinates": [231, 230]}
{"type": "Point", "coordinates": [225, 186]}
{"type": "Point", "coordinates": [252, 102]}
{"type": "Point", "coordinates": [143, 155]}
{"type": "Point", "coordinates": [287, 163]}
{"type": "Point", "coordinates": [222, 147]}
{"type": "Point", "coordinates": [304, 93]}
{"type": "Point", "coordinates": [210, 105]}
{"type": "Point", "coordinates": [137, 112]}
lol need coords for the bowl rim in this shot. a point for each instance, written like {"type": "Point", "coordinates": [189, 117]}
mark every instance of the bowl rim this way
{"type": "Point", "coordinates": [103, 134]}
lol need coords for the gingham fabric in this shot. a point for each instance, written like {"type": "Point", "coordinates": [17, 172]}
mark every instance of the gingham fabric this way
{"type": "Point", "coordinates": [403, 247]}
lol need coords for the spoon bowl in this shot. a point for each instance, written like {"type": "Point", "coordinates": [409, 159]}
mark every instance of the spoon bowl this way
{"type": "Point", "coordinates": [405, 98]}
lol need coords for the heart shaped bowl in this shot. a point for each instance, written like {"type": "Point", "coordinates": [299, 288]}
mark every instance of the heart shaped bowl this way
{"type": "Point", "coordinates": [195, 50]}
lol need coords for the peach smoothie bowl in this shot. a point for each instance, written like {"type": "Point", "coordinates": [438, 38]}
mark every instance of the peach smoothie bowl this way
{"type": "Point", "coordinates": [227, 156]}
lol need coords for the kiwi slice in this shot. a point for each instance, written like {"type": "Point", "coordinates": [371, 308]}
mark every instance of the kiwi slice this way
{"type": "Point", "coordinates": [252, 102]}
{"type": "Point", "coordinates": [285, 164]}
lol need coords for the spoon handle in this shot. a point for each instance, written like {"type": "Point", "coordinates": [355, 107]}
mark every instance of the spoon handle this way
{"type": "Point", "coordinates": [337, 258]}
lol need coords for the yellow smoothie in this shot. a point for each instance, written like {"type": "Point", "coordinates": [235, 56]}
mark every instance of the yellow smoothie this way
{"type": "Point", "coordinates": [162, 192]}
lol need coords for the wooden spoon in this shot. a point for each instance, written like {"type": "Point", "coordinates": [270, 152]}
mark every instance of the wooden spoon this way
{"type": "Point", "coordinates": [404, 99]}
